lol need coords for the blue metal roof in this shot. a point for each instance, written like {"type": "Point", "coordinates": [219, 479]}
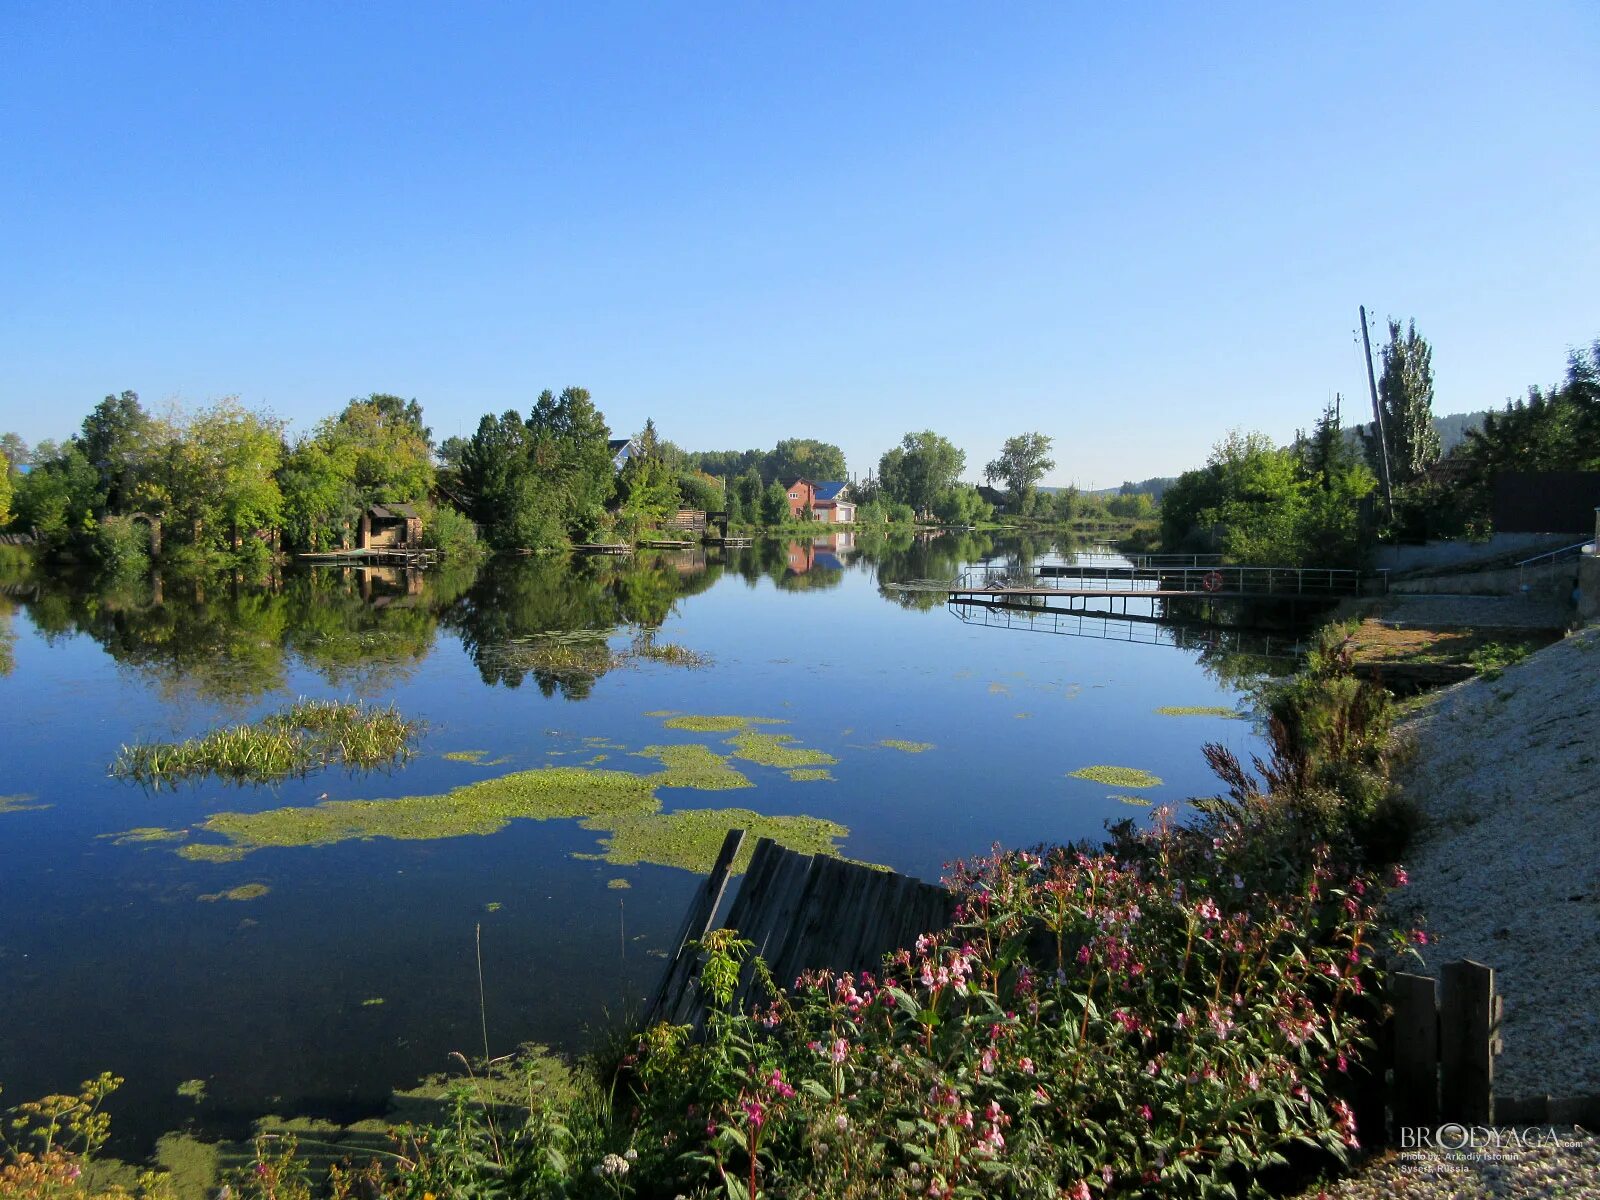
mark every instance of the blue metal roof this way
{"type": "Point", "coordinates": [827, 491]}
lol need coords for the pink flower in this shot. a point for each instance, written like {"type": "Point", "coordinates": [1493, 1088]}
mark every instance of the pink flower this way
{"type": "Point", "coordinates": [1079, 1190]}
{"type": "Point", "coordinates": [1025, 1065]}
{"type": "Point", "coordinates": [1419, 936]}
{"type": "Point", "coordinates": [755, 1113]}
{"type": "Point", "coordinates": [1146, 1113]}
{"type": "Point", "coordinates": [1207, 910]}
{"type": "Point", "coordinates": [841, 1051]}
{"type": "Point", "coordinates": [1398, 877]}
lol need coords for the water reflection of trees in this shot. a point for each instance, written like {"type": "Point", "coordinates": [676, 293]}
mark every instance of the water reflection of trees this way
{"type": "Point", "coordinates": [230, 642]}
{"type": "Point", "coordinates": [548, 618]}
{"type": "Point", "coordinates": [904, 557]}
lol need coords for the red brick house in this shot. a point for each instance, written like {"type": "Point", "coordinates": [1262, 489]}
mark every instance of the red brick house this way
{"type": "Point", "coordinates": [802, 496]}
{"type": "Point", "coordinates": [828, 502]}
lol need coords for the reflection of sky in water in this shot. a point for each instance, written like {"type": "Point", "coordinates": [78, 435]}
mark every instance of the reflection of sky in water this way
{"type": "Point", "coordinates": [108, 962]}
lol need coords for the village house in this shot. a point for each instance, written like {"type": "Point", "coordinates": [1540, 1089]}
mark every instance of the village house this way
{"type": "Point", "coordinates": [390, 527]}
{"type": "Point", "coordinates": [827, 502]}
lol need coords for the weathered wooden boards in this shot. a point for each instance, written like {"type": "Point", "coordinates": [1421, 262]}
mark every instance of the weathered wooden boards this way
{"type": "Point", "coordinates": [802, 912]}
{"type": "Point", "coordinates": [1444, 1045]}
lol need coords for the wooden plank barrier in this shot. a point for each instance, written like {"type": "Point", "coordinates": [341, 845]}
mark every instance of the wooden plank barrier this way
{"type": "Point", "coordinates": [802, 912]}
{"type": "Point", "coordinates": [1444, 1039]}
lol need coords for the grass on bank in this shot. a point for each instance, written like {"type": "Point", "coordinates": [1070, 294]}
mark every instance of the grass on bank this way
{"type": "Point", "coordinates": [304, 737]}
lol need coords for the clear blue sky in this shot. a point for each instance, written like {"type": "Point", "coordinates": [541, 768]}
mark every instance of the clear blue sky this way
{"type": "Point", "coordinates": [1130, 227]}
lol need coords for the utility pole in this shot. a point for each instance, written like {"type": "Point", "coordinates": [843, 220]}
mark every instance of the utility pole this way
{"type": "Point", "coordinates": [1377, 417]}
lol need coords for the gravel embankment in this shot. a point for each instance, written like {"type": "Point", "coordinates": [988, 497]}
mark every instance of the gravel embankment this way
{"type": "Point", "coordinates": [1567, 1167]}
{"type": "Point", "coordinates": [1506, 869]}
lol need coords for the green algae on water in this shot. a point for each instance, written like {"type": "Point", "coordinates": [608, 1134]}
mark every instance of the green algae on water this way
{"type": "Point", "coordinates": [691, 837]}
{"type": "Point", "coordinates": [620, 805]}
{"type": "Point", "coordinates": [810, 775]}
{"type": "Point", "coordinates": [245, 891]}
{"type": "Point", "coordinates": [193, 1089]}
{"type": "Point", "coordinates": [905, 746]}
{"type": "Point", "coordinates": [775, 750]}
{"type": "Point", "coordinates": [146, 834]}
{"type": "Point", "coordinates": [1120, 777]}
{"type": "Point", "coordinates": [1141, 801]}
{"type": "Point", "coordinates": [1199, 710]}
{"type": "Point", "coordinates": [210, 852]}
{"type": "Point", "coordinates": [19, 803]}
{"type": "Point", "coordinates": [372, 1002]}
{"type": "Point", "coordinates": [618, 885]}
{"type": "Point", "coordinates": [465, 756]}
{"type": "Point", "coordinates": [716, 724]}
{"type": "Point", "coordinates": [693, 766]}
{"type": "Point", "coordinates": [473, 809]}
{"type": "Point", "coordinates": [493, 906]}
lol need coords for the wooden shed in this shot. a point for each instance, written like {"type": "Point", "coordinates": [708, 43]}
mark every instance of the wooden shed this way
{"type": "Point", "coordinates": [391, 527]}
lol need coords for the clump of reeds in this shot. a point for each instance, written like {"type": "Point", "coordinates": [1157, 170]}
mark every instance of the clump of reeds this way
{"type": "Point", "coordinates": [304, 737]}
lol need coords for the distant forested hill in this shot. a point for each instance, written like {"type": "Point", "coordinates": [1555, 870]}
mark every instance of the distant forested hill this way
{"type": "Point", "coordinates": [1452, 428]}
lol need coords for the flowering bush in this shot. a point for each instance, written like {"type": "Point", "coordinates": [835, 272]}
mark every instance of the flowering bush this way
{"type": "Point", "coordinates": [1136, 1021]}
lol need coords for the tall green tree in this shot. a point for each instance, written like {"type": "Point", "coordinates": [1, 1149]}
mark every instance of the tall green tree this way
{"type": "Point", "coordinates": [15, 453]}
{"type": "Point", "coordinates": [1024, 460]}
{"type": "Point", "coordinates": [571, 446]}
{"type": "Point", "coordinates": [796, 458]}
{"type": "Point", "coordinates": [224, 475]}
{"type": "Point", "coordinates": [775, 505]}
{"type": "Point", "coordinates": [647, 489]}
{"type": "Point", "coordinates": [116, 439]}
{"type": "Point", "coordinates": [920, 469]}
{"type": "Point", "coordinates": [1405, 398]}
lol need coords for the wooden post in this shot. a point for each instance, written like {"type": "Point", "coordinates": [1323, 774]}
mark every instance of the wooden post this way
{"type": "Point", "coordinates": [1416, 1050]}
{"type": "Point", "coordinates": [1468, 1038]}
{"type": "Point", "coordinates": [696, 924]}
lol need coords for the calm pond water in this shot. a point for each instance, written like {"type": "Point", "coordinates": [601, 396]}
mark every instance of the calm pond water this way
{"type": "Point", "coordinates": [356, 971]}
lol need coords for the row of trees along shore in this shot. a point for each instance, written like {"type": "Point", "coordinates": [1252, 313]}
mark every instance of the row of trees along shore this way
{"type": "Point", "coordinates": [227, 483]}
{"type": "Point", "coordinates": [1319, 501]}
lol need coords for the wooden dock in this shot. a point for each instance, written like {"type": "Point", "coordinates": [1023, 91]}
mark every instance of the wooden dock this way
{"type": "Point", "coordinates": [803, 912]}
{"type": "Point", "coordinates": [603, 548]}
{"type": "Point", "coordinates": [388, 556]}
{"type": "Point", "coordinates": [1155, 581]}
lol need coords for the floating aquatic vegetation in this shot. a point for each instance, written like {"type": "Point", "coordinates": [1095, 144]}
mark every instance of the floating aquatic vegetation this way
{"type": "Point", "coordinates": [997, 688]}
{"type": "Point", "coordinates": [208, 851]}
{"type": "Point", "coordinates": [596, 760]}
{"type": "Point", "coordinates": [619, 804]}
{"type": "Point", "coordinates": [193, 1089]}
{"type": "Point", "coordinates": [299, 739]}
{"type": "Point", "coordinates": [1141, 801]}
{"type": "Point", "coordinates": [906, 747]}
{"type": "Point", "coordinates": [774, 750]}
{"type": "Point", "coordinates": [810, 775]}
{"type": "Point", "coordinates": [372, 1002]}
{"type": "Point", "coordinates": [146, 834]}
{"type": "Point", "coordinates": [1022, 716]}
{"type": "Point", "coordinates": [19, 803]}
{"type": "Point", "coordinates": [1199, 710]}
{"type": "Point", "coordinates": [715, 724]}
{"type": "Point", "coordinates": [245, 891]}
{"type": "Point", "coordinates": [693, 766]}
{"type": "Point", "coordinates": [670, 653]}
{"type": "Point", "coordinates": [1120, 777]}
{"type": "Point", "coordinates": [691, 837]}
{"type": "Point", "coordinates": [618, 885]}
{"type": "Point", "coordinates": [465, 756]}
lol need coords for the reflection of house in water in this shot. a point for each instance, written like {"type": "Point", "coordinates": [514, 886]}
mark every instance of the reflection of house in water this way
{"type": "Point", "coordinates": [382, 587]}
{"type": "Point", "coordinates": [391, 527]}
{"type": "Point", "coordinates": [825, 553]}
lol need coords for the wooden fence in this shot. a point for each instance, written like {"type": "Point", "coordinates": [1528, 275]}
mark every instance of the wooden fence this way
{"type": "Point", "coordinates": [803, 912]}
